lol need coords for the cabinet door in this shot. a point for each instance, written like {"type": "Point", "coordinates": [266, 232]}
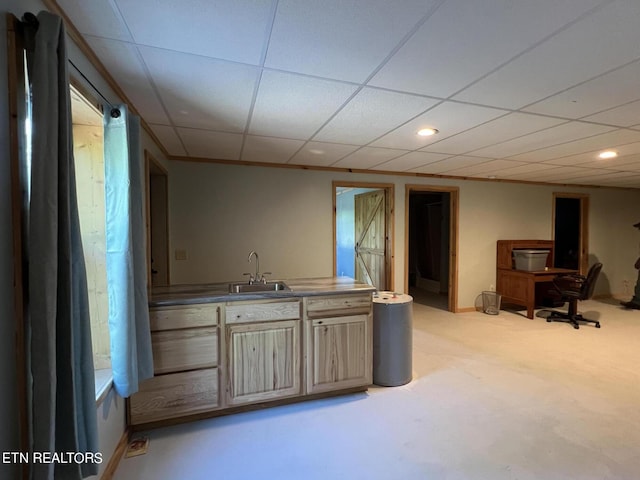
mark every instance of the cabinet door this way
{"type": "Point", "coordinates": [263, 361]}
{"type": "Point", "coordinates": [340, 353]}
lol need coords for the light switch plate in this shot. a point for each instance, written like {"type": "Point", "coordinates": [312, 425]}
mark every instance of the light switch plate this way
{"type": "Point", "coordinates": [181, 254]}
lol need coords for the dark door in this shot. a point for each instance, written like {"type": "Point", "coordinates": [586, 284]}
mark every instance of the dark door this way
{"type": "Point", "coordinates": [567, 230]}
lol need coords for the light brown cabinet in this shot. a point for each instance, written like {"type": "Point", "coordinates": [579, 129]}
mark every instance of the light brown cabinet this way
{"type": "Point", "coordinates": [263, 351]}
{"type": "Point", "coordinates": [212, 358]}
{"type": "Point", "coordinates": [185, 344]}
{"type": "Point", "coordinates": [338, 342]}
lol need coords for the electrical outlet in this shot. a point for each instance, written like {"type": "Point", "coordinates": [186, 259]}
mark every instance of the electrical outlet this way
{"type": "Point", "coordinates": [181, 254]}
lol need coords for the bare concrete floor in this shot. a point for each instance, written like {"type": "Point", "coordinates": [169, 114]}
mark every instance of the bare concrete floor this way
{"type": "Point", "coordinates": [492, 397]}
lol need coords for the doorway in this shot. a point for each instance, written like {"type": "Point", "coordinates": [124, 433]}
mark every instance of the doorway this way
{"type": "Point", "coordinates": [571, 231]}
{"type": "Point", "coordinates": [431, 219]}
{"type": "Point", "coordinates": [157, 223]}
{"type": "Point", "coordinates": [362, 225]}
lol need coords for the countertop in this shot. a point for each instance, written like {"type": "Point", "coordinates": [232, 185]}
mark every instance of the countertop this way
{"type": "Point", "coordinates": [219, 292]}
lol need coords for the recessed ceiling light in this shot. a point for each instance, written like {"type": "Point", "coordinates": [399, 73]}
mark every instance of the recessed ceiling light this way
{"type": "Point", "coordinates": [608, 154]}
{"type": "Point", "coordinates": [427, 132]}
{"type": "Point", "coordinates": [491, 176]}
{"type": "Point", "coordinates": [316, 151]}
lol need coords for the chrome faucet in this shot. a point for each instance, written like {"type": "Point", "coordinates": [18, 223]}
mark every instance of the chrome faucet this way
{"type": "Point", "coordinates": [257, 277]}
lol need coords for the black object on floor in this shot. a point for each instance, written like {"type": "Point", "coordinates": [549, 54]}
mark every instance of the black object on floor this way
{"type": "Point", "coordinates": [632, 305]}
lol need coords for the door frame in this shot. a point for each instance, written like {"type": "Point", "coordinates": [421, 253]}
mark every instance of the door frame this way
{"type": "Point", "coordinates": [454, 193]}
{"type": "Point", "coordinates": [389, 191]}
{"type": "Point", "coordinates": [584, 225]}
{"type": "Point", "coordinates": [153, 167]}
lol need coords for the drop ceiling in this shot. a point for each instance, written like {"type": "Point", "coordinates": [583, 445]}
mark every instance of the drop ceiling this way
{"type": "Point", "coordinates": [518, 90]}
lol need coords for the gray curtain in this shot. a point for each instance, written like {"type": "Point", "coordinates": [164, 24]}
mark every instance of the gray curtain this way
{"type": "Point", "coordinates": [131, 355]}
{"type": "Point", "coordinates": [61, 359]}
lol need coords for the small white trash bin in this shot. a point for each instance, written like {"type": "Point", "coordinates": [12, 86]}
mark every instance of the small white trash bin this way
{"type": "Point", "coordinates": [392, 338]}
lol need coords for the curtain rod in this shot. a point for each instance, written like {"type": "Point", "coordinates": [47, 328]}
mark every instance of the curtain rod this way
{"type": "Point", "coordinates": [31, 20]}
{"type": "Point", "coordinates": [115, 112]}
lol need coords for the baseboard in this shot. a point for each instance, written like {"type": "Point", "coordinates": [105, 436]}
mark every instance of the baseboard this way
{"type": "Point", "coordinates": [466, 310]}
{"type": "Point", "coordinates": [117, 455]}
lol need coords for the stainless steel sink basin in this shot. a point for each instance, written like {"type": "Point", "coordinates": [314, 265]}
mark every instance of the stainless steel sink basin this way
{"type": "Point", "coordinates": [245, 287]}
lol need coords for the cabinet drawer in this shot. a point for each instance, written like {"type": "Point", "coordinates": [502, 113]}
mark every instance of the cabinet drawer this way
{"type": "Point", "coordinates": [261, 312]}
{"type": "Point", "coordinates": [187, 349]}
{"type": "Point", "coordinates": [174, 395]}
{"type": "Point", "coordinates": [338, 305]}
{"type": "Point", "coordinates": [183, 316]}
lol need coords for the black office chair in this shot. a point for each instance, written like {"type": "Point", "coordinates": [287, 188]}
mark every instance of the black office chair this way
{"type": "Point", "coordinates": [572, 288]}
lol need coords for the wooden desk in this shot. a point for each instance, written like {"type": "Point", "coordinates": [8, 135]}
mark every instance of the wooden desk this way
{"type": "Point", "coordinates": [519, 286]}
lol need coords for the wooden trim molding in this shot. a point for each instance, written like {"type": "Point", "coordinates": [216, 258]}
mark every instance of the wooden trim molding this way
{"type": "Point", "coordinates": [454, 193]}
{"type": "Point", "coordinates": [117, 455]}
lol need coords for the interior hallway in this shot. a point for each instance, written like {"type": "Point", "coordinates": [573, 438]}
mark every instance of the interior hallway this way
{"type": "Point", "coordinates": [493, 397]}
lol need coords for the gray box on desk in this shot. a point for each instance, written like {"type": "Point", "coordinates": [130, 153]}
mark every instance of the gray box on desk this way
{"type": "Point", "coordinates": [530, 260]}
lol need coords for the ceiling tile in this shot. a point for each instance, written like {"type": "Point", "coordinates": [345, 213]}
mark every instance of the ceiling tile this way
{"type": "Point", "coordinates": [499, 130]}
{"type": "Point", "coordinates": [226, 29]}
{"type": "Point", "coordinates": [594, 174]}
{"type": "Point", "coordinates": [169, 139]}
{"type": "Point", "coordinates": [591, 160]}
{"type": "Point", "coordinates": [219, 93]}
{"type": "Point", "coordinates": [625, 115]}
{"type": "Point", "coordinates": [96, 18]}
{"type": "Point", "coordinates": [566, 59]}
{"type": "Point", "coordinates": [321, 154]}
{"type": "Point", "coordinates": [465, 40]}
{"type": "Point", "coordinates": [340, 39]}
{"type": "Point", "coordinates": [123, 62]}
{"type": "Point", "coordinates": [521, 171]}
{"type": "Point", "coordinates": [603, 141]}
{"type": "Point", "coordinates": [541, 139]}
{"type": "Point", "coordinates": [451, 163]}
{"type": "Point", "coordinates": [482, 169]}
{"type": "Point", "coordinates": [410, 161]}
{"type": "Point", "coordinates": [214, 145]}
{"type": "Point", "coordinates": [367, 157]}
{"type": "Point", "coordinates": [370, 114]}
{"type": "Point", "coordinates": [295, 106]}
{"type": "Point", "coordinates": [269, 149]}
{"type": "Point", "coordinates": [554, 174]}
{"type": "Point", "coordinates": [448, 117]}
{"type": "Point", "coordinates": [613, 89]}
{"type": "Point", "coordinates": [526, 172]}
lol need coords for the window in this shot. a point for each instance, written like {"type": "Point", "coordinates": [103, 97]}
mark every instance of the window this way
{"type": "Point", "coordinates": [88, 151]}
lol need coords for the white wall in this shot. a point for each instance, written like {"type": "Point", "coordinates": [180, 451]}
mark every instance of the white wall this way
{"type": "Point", "coordinates": [218, 213]}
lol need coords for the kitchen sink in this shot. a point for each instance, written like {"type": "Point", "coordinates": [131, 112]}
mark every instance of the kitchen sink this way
{"type": "Point", "coordinates": [245, 287]}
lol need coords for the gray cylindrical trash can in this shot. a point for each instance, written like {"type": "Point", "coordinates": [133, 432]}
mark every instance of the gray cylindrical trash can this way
{"type": "Point", "coordinates": [392, 337]}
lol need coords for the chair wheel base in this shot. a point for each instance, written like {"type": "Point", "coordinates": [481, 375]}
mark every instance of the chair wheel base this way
{"type": "Point", "coordinates": [574, 319]}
